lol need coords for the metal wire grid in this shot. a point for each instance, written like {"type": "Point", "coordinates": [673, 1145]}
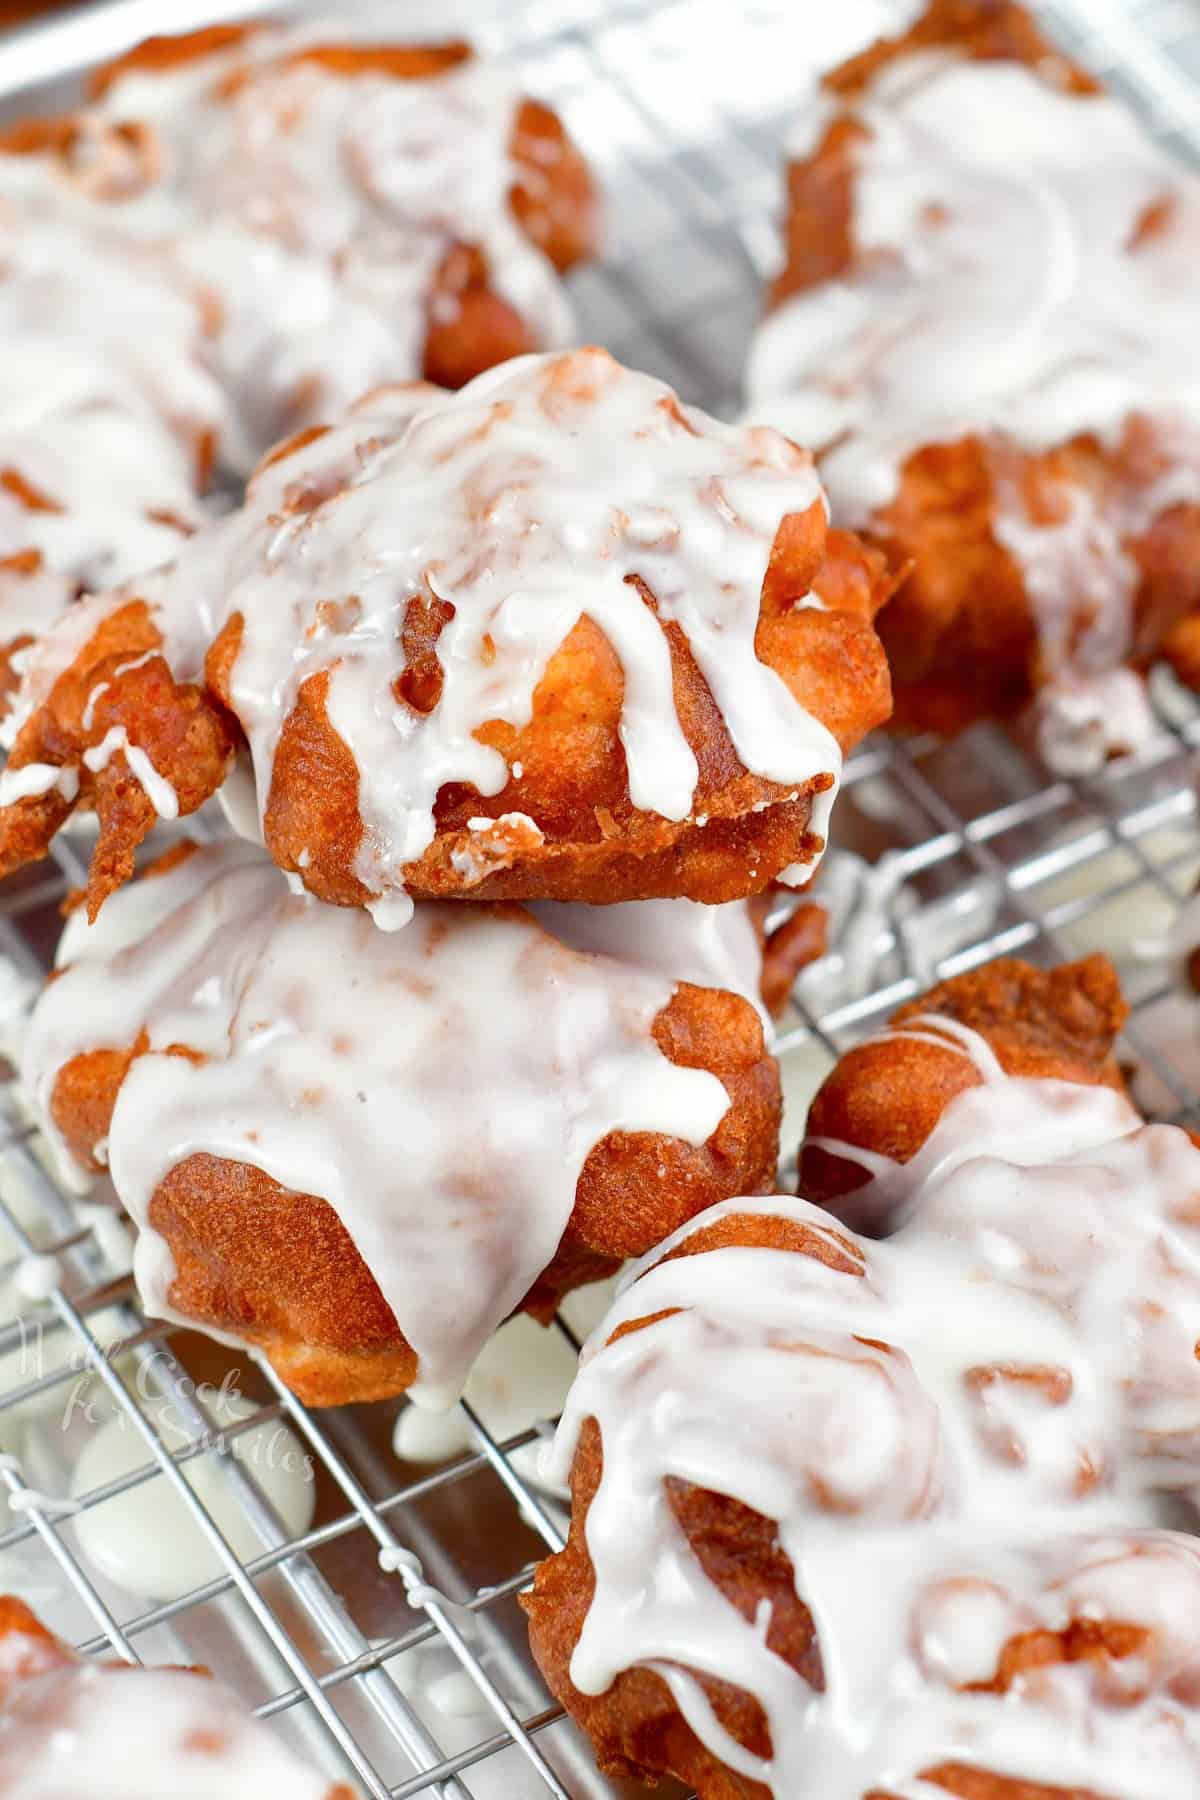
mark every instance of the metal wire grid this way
{"type": "Point", "coordinates": [684, 126]}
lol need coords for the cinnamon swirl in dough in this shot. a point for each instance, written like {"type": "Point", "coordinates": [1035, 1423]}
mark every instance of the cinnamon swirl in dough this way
{"type": "Point", "coordinates": [363, 1151]}
{"type": "Point", "coordinates": [985, 327]}
{"type": "Point", "coordinates": [859, 1520]}
{"type": "Point", "coordinates": [555, 637]}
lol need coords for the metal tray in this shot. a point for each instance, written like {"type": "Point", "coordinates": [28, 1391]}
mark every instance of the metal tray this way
{"type": "Point", "coordinates": [682, 106]}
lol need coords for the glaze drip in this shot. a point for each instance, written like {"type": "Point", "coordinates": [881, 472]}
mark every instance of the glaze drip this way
{"type": "Point", "coordinates": [105, 404]}
{"type": "Point", "coordinates": [107, 1731]}
{"type": "Point", "coordinates": [965, 1433]}
{"type": "Point", "coordinates": [313, 210]}
{"type": "Point", "coordinates": [1023, 271]}
{"type": "Point", "coordinates": [710, 946]}
{"type": "Point", "coordinates": [547, 489]}
{"type": "Point", "coordinates": [440, 1088]}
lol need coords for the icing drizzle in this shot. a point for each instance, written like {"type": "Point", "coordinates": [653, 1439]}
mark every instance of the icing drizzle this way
{"type": "Point", "coordinates": [710, 946]}
{"type": "Point", "coordinates": [314, 210]}
{"type": "Point", "coordinates": [964, 1433]}
{"type": "Point", "coordinates": [68, 1727]}
{"type": "Point", "coordinates": [541, 492]}
{"type": "Point", "coordinates": [1024, 271]}
{"type": "Point", "coordinates": [105, 400]}
{"type": "Point", "coordinates": [441, 1088]}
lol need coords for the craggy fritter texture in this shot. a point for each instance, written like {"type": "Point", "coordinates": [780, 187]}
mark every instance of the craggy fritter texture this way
{"type": "Point", "coordinates": [553, 198]}
{"type": "Point", "coordinates": [886, 1095]}
{"type": "Point", "coordinates": [554, 201]}
{"type": "Point", "coordinates": [796, 941]}
{"type": "Point", "coordinates": [42, 1653]}
{"type": "Point", "coordinates": [10, 679]}
{"type": "Point", "coordinates": [190, 741]}
{"type": "Point", "coordinates": [279, 1269]}
{"type": "Point", "coordinates": [1059, 1023]}
{"type": "Point", "coordinates": [960, 632]}
{"type": "Point", "coordinates": [637, 1731]}
{"type": "Point", "coordinates": [469, 324]}
{"type": "Point", "coordinates": [595, 844]}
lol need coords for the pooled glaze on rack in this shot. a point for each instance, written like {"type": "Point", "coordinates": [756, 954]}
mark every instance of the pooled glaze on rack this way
{"type": "Point", "coordinates": [145, 1539]}
{"type": "Point", "coordinates": [964, 1433]}
{"type": "Point", "coordinates": [316, 204]}
{"type": "Point", "coordinates": [440, 1089]}
{"type": "Point", "coordinates": [108, 1731]}
{"type": "Point", "coordinates": [1023, 270]}
{"type": "Point", "coordinates": [330, 459]}
{"type": "Point", "coordinates": [541, 492]}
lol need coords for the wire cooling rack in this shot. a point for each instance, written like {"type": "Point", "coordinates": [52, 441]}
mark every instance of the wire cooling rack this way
{"type": "Point", "coordinates": [385, 1639]}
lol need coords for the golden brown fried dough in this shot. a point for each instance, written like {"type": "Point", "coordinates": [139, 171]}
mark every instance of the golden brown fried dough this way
{"type": "Point", "coordinates": [887, 1094]}
{"type": "Point", "coordinates": [1031, 559]}
{"type": "Point", "coordinates": [176, 1727]}
{"type": "Point", "coordinates": [563, 823]}
{"type": "Point", "coordinates": [280, 1268]}
{"type": "Point", "coordinates": [863, 1399]}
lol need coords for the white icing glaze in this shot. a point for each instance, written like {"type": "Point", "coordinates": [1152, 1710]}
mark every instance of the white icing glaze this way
{"type": "Point", "coordinates": [519, 1381]}
{"type": "Point", "coordinates": [104, 399]}
{"type": "Point", "coordinates": [146, 1539]}
{"type": "Point", "coordinates": [1000, 288]}
{"type": "Point", "coordinates": [22, 1498]}
{"type": "Point", "coordinates": [212, 266]}
{"type": "Point", "coordinates": [109, 1231]}
{"type": "Point", "coordinates": [17, 993]}
{"type": "Point", "coordinates": [455, 1695]}
{"type": "Point", "coordinates": [711, 946]}
{"type": "Point", "coordinates": [23, 1655]}
{"type": "Point", "coordinates": [860, 898]}
{"type": "Point", "coordinates": [39, 1352]}
{"type": "Point", "coordinates": [1079, 724]}
{"type": "Point", "coordinates": [317, 210]}
{"type": "Point", "coordinates": [397, 1077]}
{"type": "Point", "coordinates": [494, 844]}
{"type": "Point", "coordinates": [113, 1733]}
{"type": "Point", "coordinates": [964, 1435]}
{"type": "Point", "coordinates": [94, 320]}
{"type": "Point", "coordinates": [157, 788]}
{"type": "Point", "coordinates": [37, 1276]}
{"type": "Point", "coordinates": [1023, 1121]}
{"type": "Point", "coordinates": [51, 653]}
{"type": "Point", "coordinates": [36, 779]}
{"type": "Point", "coordinates": [1019, 308]}
{"type": "Point", "coordinates": [527, 500]}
